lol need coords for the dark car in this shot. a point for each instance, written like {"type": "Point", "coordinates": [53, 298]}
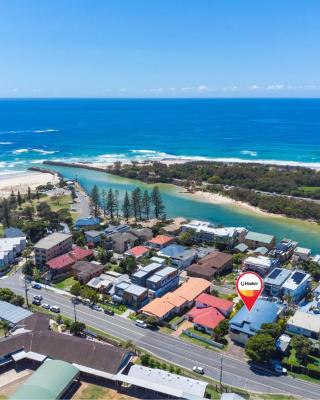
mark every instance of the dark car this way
{"type": "Point", "coordinates": [108, 312]}
{"type": "Point", "coordinates": [36, 302]}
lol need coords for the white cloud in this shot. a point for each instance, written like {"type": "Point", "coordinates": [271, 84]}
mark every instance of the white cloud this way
{"type": "Point", "coordinates": [278, 86]}
{"type": "Point", "coordinates": [185, 89]}
{"type": "Point", "coordinates": [159, 90]}
{"type": "Point", "coordinates": [15, 90]}
{"type": "Point", "coordinates": [230, 88]}
{"type": "Point", "coordinates": [254, 87]}
{"type": "Point", "coordinates": [202, 88]}
{"type": "Point", "coordinates": [123, 90]}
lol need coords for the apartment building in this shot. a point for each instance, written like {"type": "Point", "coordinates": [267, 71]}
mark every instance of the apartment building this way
{"type": "Point", "coordinates": [52, 246]}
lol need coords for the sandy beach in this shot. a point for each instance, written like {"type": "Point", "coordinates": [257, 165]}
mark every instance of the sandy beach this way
{"type": "Point", "coordinates": [216, 198]}
{"type": "Point", "coordinates": [21, 180]}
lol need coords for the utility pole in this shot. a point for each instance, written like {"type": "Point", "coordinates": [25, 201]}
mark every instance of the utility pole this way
{"type": "Point", "coordinates": [220, 379]}
{"type": "Point", "coordinates": [74, 310]}
{"type": "Point", "coordinates": [26, 291]}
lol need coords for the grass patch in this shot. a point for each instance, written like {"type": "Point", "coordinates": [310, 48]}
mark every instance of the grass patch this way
{"type": "Point", "coordinates": [120, 309]}
{"type": "Point", "coordinates": [310, 189]}
{"type": "Point", "coordinates": [93, 392]}
{"type": "Point", "coordinates": [304, 377]}
{"type": "Point", "coordinates": [65, 284]}
{"type": "Point", "coordinates": [167, 330]}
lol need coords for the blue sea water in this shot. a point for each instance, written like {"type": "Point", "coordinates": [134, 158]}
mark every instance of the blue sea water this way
{"type": "Point", "coordinates": [277, 130]}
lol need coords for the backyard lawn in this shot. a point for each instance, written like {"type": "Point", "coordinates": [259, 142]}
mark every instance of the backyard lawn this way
{"type": "Point", "coordinates": [66, 284]}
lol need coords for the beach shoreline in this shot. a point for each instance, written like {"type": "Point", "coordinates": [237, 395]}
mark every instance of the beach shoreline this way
{"type": "Point", "coordinates": [20, 181]}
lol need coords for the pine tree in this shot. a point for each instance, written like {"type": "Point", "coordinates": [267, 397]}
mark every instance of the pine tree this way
{"type": "Point", "coordinates": [95, 200]}
{"type": "Point", "coordinates": [158, 206]}
{"type": "Point", "coordinates": [116, 202]}
{"type": "Point", "coordinates": [136, 203]}
{"type": "Point", "coordinates": [111, 203]}
{"type": "Point", "coordinates": [19, 199]}
{"type": "Point", "coordinates": [126, 207]}
{"type": "Point", "coordinates": [29, 194]}
{"type": "Point", "coordinates": [6, 215]}
{"type": "Point", "coordinates": [146, 204]}
{"type": "Point", "coordinates": [104, 202]}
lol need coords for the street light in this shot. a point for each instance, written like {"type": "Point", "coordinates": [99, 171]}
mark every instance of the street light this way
{"type": "Point", "coordinates": [220, 380]}
{"type": "Point", "coordinates": [26, 290]}
{"type": "Point", "coordinates": [74, 301]}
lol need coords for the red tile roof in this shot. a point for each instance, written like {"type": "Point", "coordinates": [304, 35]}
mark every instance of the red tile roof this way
{"type": "Point", "coordinates": [79, 254]}
{"type": "Point", "coordinates": [137, 251]}
{"type": "Point", "coordinates": [209, 317]}
{"type": "Point", "coordinates": [68, 259]}
{"type": "Point", "coordinates": [61, 262]}
{"type": "Point", "coordinates": [161, 240]}
{"type": "Point", "coordinates": [213, 301]}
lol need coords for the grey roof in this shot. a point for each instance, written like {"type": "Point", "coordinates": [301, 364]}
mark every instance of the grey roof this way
{"type": "Point", "coordinates": [13, 314]}
{"type": "Point", "coordinates": [259, 237]}
{"type": "Point", "coordinates": [169, 381]}
{"type": "Point", "coordinates": [154, 278]}
{"type": "Point", "coordinates": [186, 254]}
{"type": "Point", "coordinates": [242, 247]}
{"type": "Point", "coordinates": [94, 233]}
{"type": "Point", "coordinates": [165, 271]}
{"type": "Point", "coordinates": [135, 289]}
{"type": "Point", "coordinates": [52, 240]}
{"type": "Point", "coordinates": [231, 396]}
{"type": "Point", "coordinates": [151, 267]}
{"type": "Point", "coordinates": [277, 276]}
{"type": "Point", "coordinates": [261, 250]}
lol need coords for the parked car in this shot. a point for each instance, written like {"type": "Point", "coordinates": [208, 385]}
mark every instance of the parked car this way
{"type": "Point", "coordinates": [46, 306]}
{"type": "Point", "coordinates": [108, 312]}
{"type": "Point", "coordinates": [36, 285]}
{"type": "Point", "coordinates": [198, 370]}
{"type": "Point", "coordinates": [278, 368]}
{"type": "Point", "coordinates": [55, 309]}
{"type": "Point", "coordinates": [96, 307]}
{"type": "Point", "coordinates": [141, 324]}
{"type": "Point", "coordinates": [38, 297]}
{"type": "Point", "coordinates": [36, 302]}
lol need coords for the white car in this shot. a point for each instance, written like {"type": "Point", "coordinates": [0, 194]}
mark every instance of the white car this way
{"type": "Point", "coordinates": [141, 324]}
{"type": "Point", "coordinates": [45, 306]}
{"type": "Point", "coordinates": [96, 308]}
{"type": "Point", "coordinates": [37, 297]}
{"type": "Point", "coordinates": [55, 309]}
{"type": "Point", "coordinates": [198, 370]}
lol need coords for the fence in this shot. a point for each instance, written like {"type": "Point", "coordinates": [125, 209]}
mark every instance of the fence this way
{"type": "Point", "coordinates": [203, 339]}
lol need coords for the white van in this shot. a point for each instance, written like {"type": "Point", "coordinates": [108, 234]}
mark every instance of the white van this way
{"type": "Point", "coordinates": [141, 324]}
{"type": "Point", "coordinates": [55, 309]}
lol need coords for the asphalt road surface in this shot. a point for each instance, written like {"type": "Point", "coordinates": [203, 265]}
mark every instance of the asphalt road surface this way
{"type": "Point", "coordinates": [234, 372]}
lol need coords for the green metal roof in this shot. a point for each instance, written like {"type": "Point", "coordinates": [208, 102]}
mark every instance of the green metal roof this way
{"type": "Point", "coordinates": [49, 381]}
{"type": "Point", "coordinates": [259, 237]}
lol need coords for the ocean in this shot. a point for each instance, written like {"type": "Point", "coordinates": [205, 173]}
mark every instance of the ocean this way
{"type": "Point", "coordinates": [255, 130]}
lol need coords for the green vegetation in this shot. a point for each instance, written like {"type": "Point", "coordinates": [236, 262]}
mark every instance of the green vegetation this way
{"type": "Point", "coordinates": [255, 184]}
{"type": "Point", "coordinates": [66, 284]}
{"type": "Point", "coordinates": [10, 297]}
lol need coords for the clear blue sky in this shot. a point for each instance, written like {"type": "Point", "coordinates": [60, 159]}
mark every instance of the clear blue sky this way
{"type": "Point", "coordinates": [159, 48]}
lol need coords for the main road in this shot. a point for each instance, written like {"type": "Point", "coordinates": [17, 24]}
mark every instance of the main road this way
{"type": "Point", "coordinates": [172, 349]}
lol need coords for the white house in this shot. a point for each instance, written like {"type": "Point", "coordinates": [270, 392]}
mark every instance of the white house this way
{"type": "Point", "coordinates": [9, 249]}
{"type": "Point", "coordinates": [305, 324]}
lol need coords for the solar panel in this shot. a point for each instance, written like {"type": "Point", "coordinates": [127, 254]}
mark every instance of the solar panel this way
{"type": "Point", "coordinates": [274, 273]}
{"type": "Point", "coordinates": [298, 277]}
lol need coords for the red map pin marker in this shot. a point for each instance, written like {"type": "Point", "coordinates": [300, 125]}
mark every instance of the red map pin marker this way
{"type": "Point", "coordinates": [249, 287]}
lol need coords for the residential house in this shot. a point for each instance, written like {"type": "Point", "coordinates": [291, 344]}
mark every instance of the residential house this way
{"type": "Point", "coordinates": [140, 277]}
{"type": "Point", "coordinates": [274, 281]}
{"type": "Point", "coordinates": [255, 239]}
{"type": "Point", "coordinates": [206, 232]}
{"type": "Point", "coordinates": [208, 312]}
{"type": "Point", "coordinates": [130, 294]}
{"type": "Point", "coordinates": [61, 265]}
{"type": "Point", "coordinates": [261, 265]}
{"type": "Point", "coordinates": [305, 324]}
{"type": "Point", "coordinates": [284, 250]}
{"type": "Point", "coordinates": [160, 241]}
{"type": "Point", "coordinates": [137, 252]}
{"type": "Point", "coordinates": [241, 248]}
{"type": "Point", "coordinates": [143, 234]}
{"type": "Point", "coordinates": [297, 285]}
{"type": "Point", "coordinates": [112, 229]}
{"type": "Point", "coordinates": [174, 302]}
{"type": "Point", "coordinates": [174, 228]}
{"type": "Point", "coordinates": [52, 246]}
{"type": "Point", "coordinates": [93, 236]}
{"type": "Point", "coordinates": [10, 248]}
{"type": "Point", "coordinates": [302, 253]}
{"type": "Point", "coordinates": [247, 323]}
{"type": "Point", "coordinates": [158, 260]}
{"type": "Point", "coordinates": [162, 281]}
{"type": "Point", "coordinates": [180, 256]}
{"type": "Point", "coordinates": [89, 222]}
{"type": "Point", "coordinates": [120, 242]}
{"type": "Point", "coordinates": [84, 271]}
{"type": "Point", "coordinates": [100, 283]}
{"type": "Point", "coordinates": [260, 251]}
{"type": "Point", "coordinates": [213, 264]}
